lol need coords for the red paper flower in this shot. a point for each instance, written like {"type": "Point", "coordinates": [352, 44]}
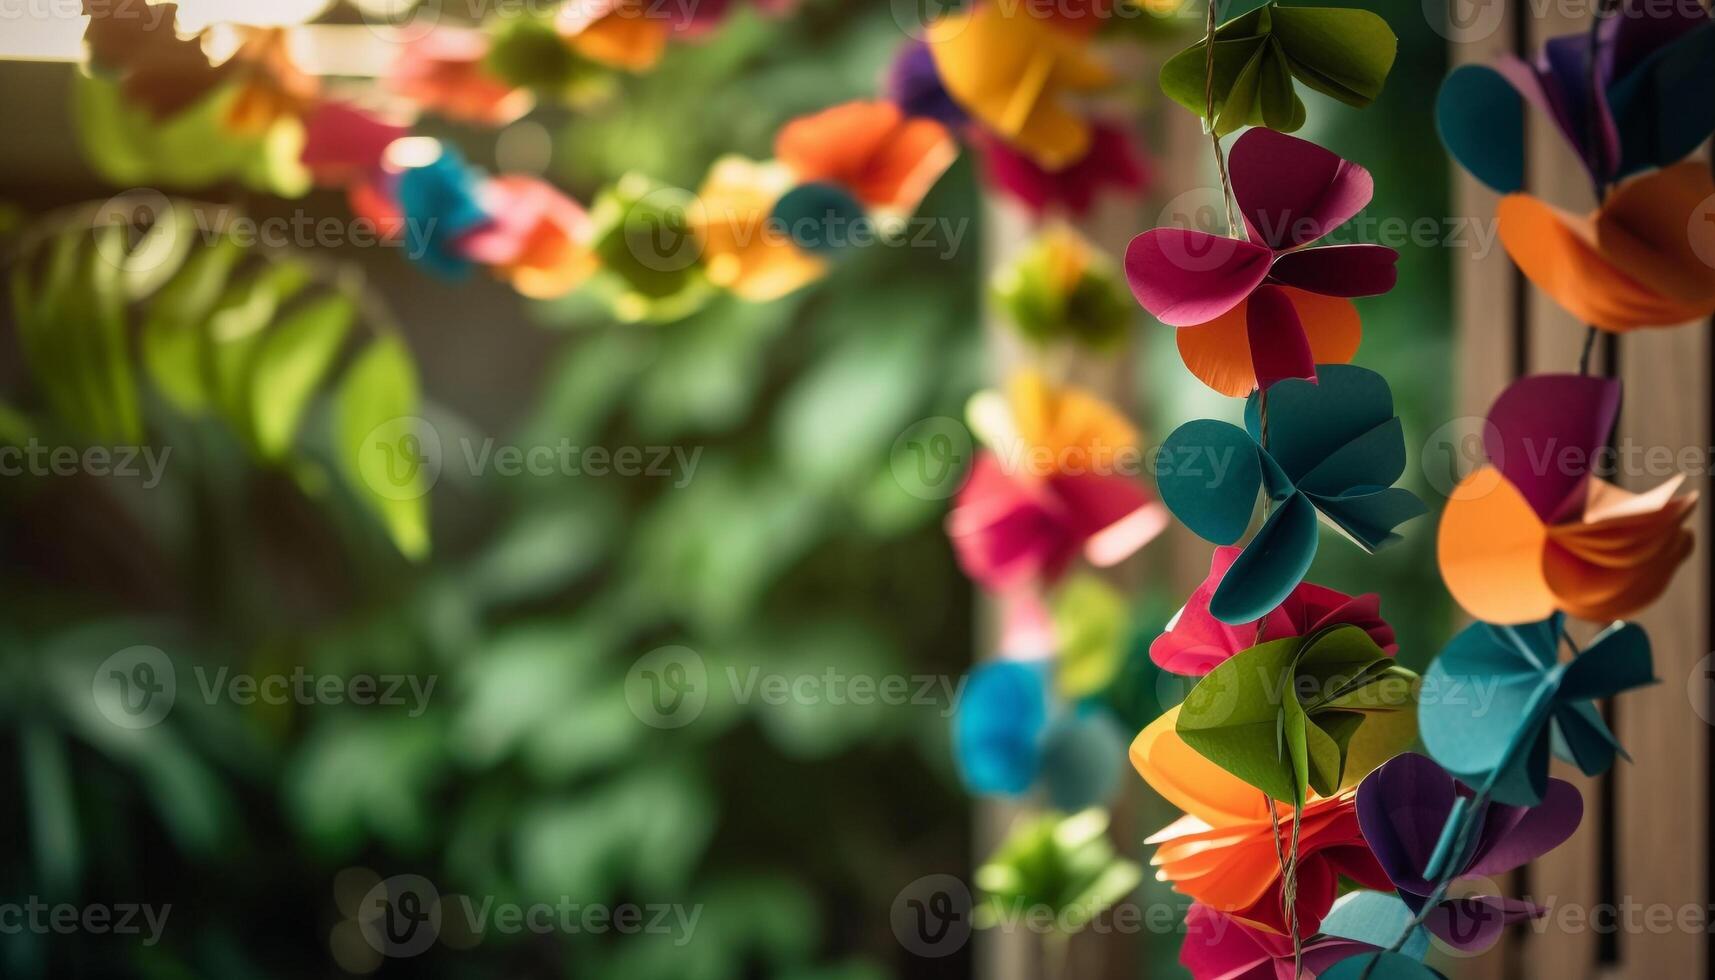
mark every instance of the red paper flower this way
{"type": "Point", "coordinates": [1195, 641]}
{"type": "Point", "coordinates": [1112, 162]}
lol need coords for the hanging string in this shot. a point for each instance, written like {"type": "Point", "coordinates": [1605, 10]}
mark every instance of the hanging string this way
{"type": "Point", "coordinates": [1595, 148]}
{"type": "Point", "coordinates": [1209, 118]}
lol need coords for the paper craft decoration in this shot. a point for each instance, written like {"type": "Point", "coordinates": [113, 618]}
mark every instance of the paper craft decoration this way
{"type": "Point", "coordinates": [1081, 760]}
{"type": "Point", "coordinates": [1334, 448]}
{"type": "Point", "coordinates": [1654, 69]}
{"type": "Point", "coordinates": [1343, 53]}
{"type": "Point", "coordinates": [871, 150]}
{"type": "Point", "coordinates": [1111, 164]}
{"type": "Point", "coordinates": [440, 205]}
{"type": "Point", "coordinates": [1223, 851]}
{"type": "Point", "coordinates": [1195, 642]}
{"type": "Point", "coordinates": [1503, 698]}
{"type": "Point", "coordinates": [1013, 72]}
{"type": "Point", "coordinates": [998, 726]}
{"type": "Point", "coordinates": [1403, 808]}
{"type": "Point", "coordinates": [1090, 632]}
{"type": "Point", "coordinates": [1534, 530]}
{"type": "Point", "coordinates": [627, 34]}
{"type": "Point", "coordinates": [914, 85]}
{"type": "Point", "coordinates": [1375, 919]}
{"type": "Point", "coordinates": [343, 143]}
{"type": "Point", "coordinates": [1302, 713]}
{"type": "Point", "coordinates": [1218, 946]}
{"type": "Point", "coordinates": [1642, 259]}
{"type": "Point", "coordinates": [445, 71]}
{"type": "Point", "coordinates": [1273, 306]}
{"type": "Point", "coordinates": [1050, 487]}
{"type": "Point", "coordinates": [538, 240]}
{"type": "Point", "coordinates": [1061, 288]}
{"type": "Point", "coordinates": [743, 251]}
{"type": "Point", "coordinates": [1381, 966]}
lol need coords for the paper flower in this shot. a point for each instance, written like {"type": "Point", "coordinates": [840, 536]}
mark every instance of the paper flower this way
{"type": "Point", "coordinates": [1403, 807]}
{"type": "Point", "coordinates": [1006, 742]}
{"type": "Point", "coordinates": [1642, 259]}
{"type": "Point", "coordinates": [344, 144]}
{"type": "Point", "coordinates": [1063, 865]}
{"type": "Point", "coordinates": [1342, 53]}
{"type": "Point", "coordinates": [1050, 486]}
{"type": "Point", "coordinates": [445, 71]}
{"type": "Point", "coordinates": [1195, 641]}
{"type": "Point", "coordinates": [914, 85]}
{"type": "Point", "coordinates": [1302, 713]}
{"type": "Point", "coordinates": [271, 86]}
{"type": "Point", "coordinates": [1260, 310]}
{"type": "Point", "coordinates": [1502, 698]}
{"type": "Point", "coordinates": [440, 204]}
{"type": "Point", "coordinates": [1218, 946]}
{"type": "Point", "coordinates": [1223, 851]}
{"type": "Point", "coordinates": [1334, 448]}
{"type": "Point", "coordinates": [628, 34]}
{"type": "Point", "coordinates": [156, 69]}
{"type": "Point", "coordinates": [1534, 531]}
{"type": "Point", "coordinates": [742, 249]}
{"type": "Point", "coordinates": [1013, 71]}
{"type": "Point", "coordinates": [539, 240]}
{"type": "Point", "coordinates": [1111, 163]}
{"type": "Point", "coordinates": [1062, 288]}
{"type": "Point", "coordinates": [1654, 65]}
{"type": "Point", "coordinates": [870, 149]}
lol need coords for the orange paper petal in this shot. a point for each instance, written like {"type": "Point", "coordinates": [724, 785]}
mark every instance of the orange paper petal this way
{"type": "Point", "coordinates": [1067, 430]}
{"type": "Point", "coordinates": [871, 149]}
{"type": "Point", "coordinates": [741, 251]}
{"type": "Point", "coordinates": [1218, 353]}
{"type": "Point", "coordinates": [1491, 551]}
{"type": "Point", "coordinates": [1646, 229]}
{"type": "Point", "coordinates": [1189, 781]}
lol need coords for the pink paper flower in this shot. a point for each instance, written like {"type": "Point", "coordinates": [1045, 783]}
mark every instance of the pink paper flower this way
{"type": "Point", "coordinates": [1195, 641]}
{"type": "Point", "coordinates": [1291, 192]}
{"type": "Point", "coordinates": [1218, 946]}
{"type": "Point", "coordinates": [344, 144]}
{"type": "Point", "coordinates": [1112, 162]}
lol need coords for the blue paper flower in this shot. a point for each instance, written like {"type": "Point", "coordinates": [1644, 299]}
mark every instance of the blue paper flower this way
{"type": "Point", "coordinates": [440, 206]}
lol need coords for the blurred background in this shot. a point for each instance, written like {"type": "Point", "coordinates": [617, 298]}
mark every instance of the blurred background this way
{"type": "Point", "coordinates": [516, 766]}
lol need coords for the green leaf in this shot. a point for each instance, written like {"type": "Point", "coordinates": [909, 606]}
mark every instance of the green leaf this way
{"type": "Point", "coordinates": [52, 807]}
{"type": "Point", "coordinates": [289, 365]}
{"type": "Point", "coordinates": [236, 330]}
{"type": "Point", "coordinates": [174, 338]}
{"type": "Point", "coordinates": [375, 413]}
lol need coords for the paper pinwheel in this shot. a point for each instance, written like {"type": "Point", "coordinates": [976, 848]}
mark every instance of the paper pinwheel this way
{"type": "Point", "coordinates": [1642, 259]}
{"type": "Point", "coordinates": [1061, 288]}
{"type": "Point", "coordinates": [1012, 71]}
{"type": "Point", "coordinates": [1220, 947]}
{"type": "Point", "coordinates": [1302, 713]}
{"type": "Point", "coordinates": [742, 251]}
{"type": "Point", "coordinates": [1111, 163]}
{"type": "Point", "coordinates": [1654, 70]}
{"type": "Point", "coordinates": [1050, 486]}
{"type": "Point", "coordinates": [440, 205]}
{"type": "Point", "coordinates": [1404, 806]}
{"type": "Point", "coordinates": [1223, 853]}
{"type": "Point", "coordinates": [1195, 641]}
{"type": "Point", "coordinates": [1342, 53]}
{"type": "Point", "coordinates": [1005, 742]}
{"type": "Point", "coordinates": [539, 240]}
{"type": "Point", "coordinates": [1498, 698]}
{"type": "Point", "coordinates": [1534, 531]}
{"type": "Point", "coordinates": [1267, 308]}
{"type": "Point", "coordinates": [1334, 449]}
{"type": "Point", "coordinates": [446, 71]}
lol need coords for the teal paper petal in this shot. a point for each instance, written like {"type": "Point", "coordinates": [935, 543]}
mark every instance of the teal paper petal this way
{"type": "Point", "coordinates": [1368, 519]}
{"type": "Point", "coordinates": [1387, 966]}
{"type": "Point", "coordinates": [1209, 475]}
{"type": "Point", "coordinates": [1481, 120]}
{"type": "Point", "coordinates": [1309, 422]}
{"type": "Point", "coordinates": [819, 217]}
{"type": "Point", "coordinates": [1376, 918]}
{"type": "Point", "coordinates": [1617, 660]}
{"type": "Point", "coordinates": [1663, 107]}
{"type": "Point", "coordinates": [1271, 566]}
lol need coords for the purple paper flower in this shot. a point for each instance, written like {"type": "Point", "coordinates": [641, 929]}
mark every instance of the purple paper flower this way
{"type": "Point", "coordinates": [1402, 807]}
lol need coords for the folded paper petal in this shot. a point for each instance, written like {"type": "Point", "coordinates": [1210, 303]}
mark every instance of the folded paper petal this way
{"type": "Point", "coordinates": [626, 34]}
{"type": "Point", "coordinates": [441, 207]}
{"type": "Point", "coordinates": [1219, 352]}
{"type": "Point", "coordinates": [1291, 191]}
{"type": "Point", "coordinates": [998, 727]}
{"type": "Point", "coordinates": [1543, 435]}
{"type": "Point", "coordinates": [1185, 277]}
{"type": "Point", "coordinates": [1278, 345]}
{"type": "Point", "coordinates": [1475, 923]}
{"type": "Point", "coordinates": [1218, 946]}
{"type": "Point", "coordinates": [343, 143]}
{"type": "Point", "coordinates": [1338, 270]}
{"type": "Point", "coordinates": [539, 239]}
{"type": "Point", "coordinates": [742, 251]}
{"type": "Point", "coordinates": [1480, 115]}
{"type": "Point", "coordinates": [1490, 547]}
{"type": "Point", "coordinates": [1191, 782]}
{"type": "Point", "coordinates": [1111, 163]}
{"type": "Point", "coordinates": [914, 84]}
{"type": "Point", "coordinates": [871, 149]}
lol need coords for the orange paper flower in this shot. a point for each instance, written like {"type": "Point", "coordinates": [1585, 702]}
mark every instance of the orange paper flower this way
{"type": "Point", "coordinates": [1646, 258]}
{"type": "Point", "coordinates": [1218, 353]}
{"type": "Point", "coordinates": [628, 34]}
{"type": "Point", "coordinates": [443, 71]}
{"type": "Point", "coordinates": [884, 159]}
{"type": "Point", "coordinates": [742, 252]}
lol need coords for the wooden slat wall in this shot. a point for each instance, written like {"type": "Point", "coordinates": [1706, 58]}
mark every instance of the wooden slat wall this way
{"type": "Point", "coordinates": [1656, 838]}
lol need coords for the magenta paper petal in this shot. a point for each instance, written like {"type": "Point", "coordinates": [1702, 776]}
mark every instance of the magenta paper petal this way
{"type": "Point", "coordinates": [1543, 433]}
{"type": "Point", "coordinates": [1338, 270]}
{"type": "Point", "coordinates": [1514, 836]}
{"type": "Point", "coordinates": [1186, 277]}
{"type": "Point", "coordinates": [1279, 348]}
{"type": "Point", "coordinates": [1005, 532]}
{"type": "Point", "coordinates": [343, 143]}
{"type": "Point", "coordinates": [1113, 162]}
{"type": "Point", "coordinates": [1219, 947]}
{"type": "Point", "coordinates": [519, 204]}
{"type": "Point", "coordinates": [1473, 924]}
{"type": "Point", "coordinates": [1111, 515]}
{"type": "Point", "coordinates": [1292, 191]}
{"type": "Point", "coordinates": [1316, 608]}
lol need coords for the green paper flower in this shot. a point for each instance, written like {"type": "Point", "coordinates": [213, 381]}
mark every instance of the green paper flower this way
{"type": "Point", "coordinates": [1062, 288]}
{"type": "Point", "coordinates": [1065, 865]}
{"type": "Point", "coordinates": [1315, 712]}
{"type": "Point", "coordinates": [1342, 53]}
